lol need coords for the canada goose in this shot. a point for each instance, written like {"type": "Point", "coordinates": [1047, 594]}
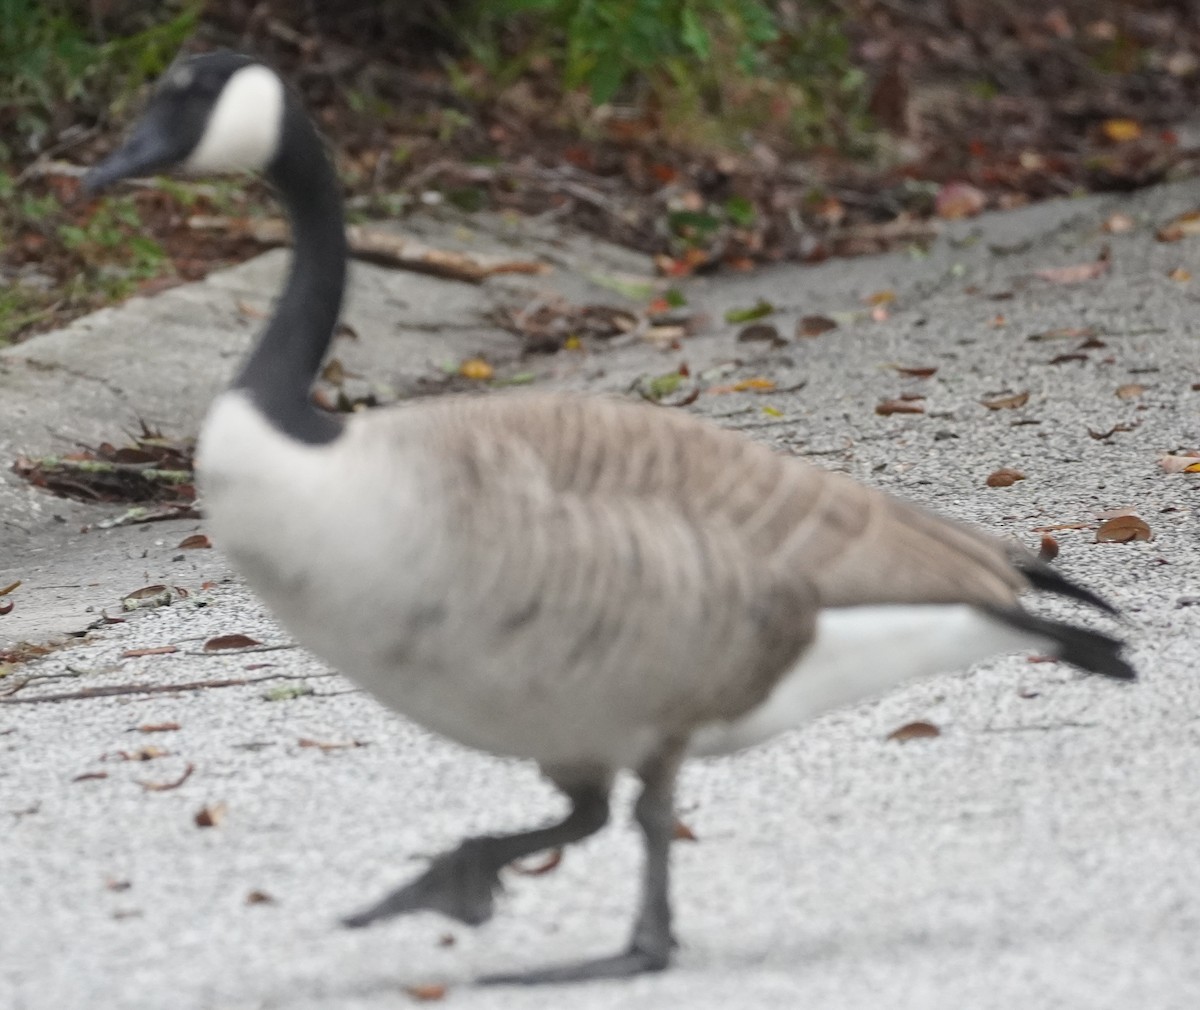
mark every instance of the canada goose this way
{"type": "Point", "coordinates": [589, 583]}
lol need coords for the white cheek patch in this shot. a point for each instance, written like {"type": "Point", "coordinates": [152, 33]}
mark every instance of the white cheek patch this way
{"type": "Point", "coordinates": [243, 129]}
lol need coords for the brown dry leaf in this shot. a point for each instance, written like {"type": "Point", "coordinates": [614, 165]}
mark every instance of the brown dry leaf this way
{"type": "Point", "coordinates": [1060, 526]}
{"type": "Point", "coordinates": [553, 858]}
{"type": "Point", "coordinates": [334, 372]}
{"type": "Point", "coordinates": [1181, 275]}
{"type": "Point", "coordinates": [257, 897]}
{"type": "Point", "coordinates": [916, 371]}
{"type": "Point", "coordinates": [880, 297]}
{"type": "Point", "coordinates": [90, 776]}
{"type": "Point", "coordinates": [1075, 274]}
{"type": "Point", "coordinates": [147, 597]}
{"type": "Point", "coordinates": [1119, 223]}
{"type": "Point", "coordinates": [682, 833]}
{"type": "Point", "coordinates": [197, 541]}
{"type": "Point", "coordinates": [223, 642]}
{"type": "Point", "coordinates": [1064, 333]}
{"type": "Point", "coordinates": [1009, 401]}
{"type": "Point", "coordinates": [1130, 391]}
{"type": "Point", "coordinates": [158, 650]}
{"type": "Point", "coordinates": [1180, 464]}
{"type": "Point", "coordinates": [426, 992]}
{"type": "Point", "coordinates": [764, 332]}
{"type": "Point", "coordinates": [1104, 436]}
{"type": "Point", "coordinates": [1122, 530]}
{"type": "Point", "coordinates": [476, 369]}
{"type": "Point", "coordinates": [210, 815]}
{"type": "Point", "coordinates": [10, 587]}
{"type": "Point", "coordinates": [900, 406]}
{"type": "Point", "coordinates": [164, 787]}
{"type": "Point", "coordinates": [6, 608]}
{"type": "Point", "coordinates": [1181, 227]}
{"type": "Point", "coordinates": [1006, 476]}
{"type": "Point", "coordinates": [814, 326]}
{"type": "Point", "coordinates": [158, 727]}
{"type": "Point", "coordinates": [141, 754]}
{"type": "Point", "coordinates": [1048, 549]}
{"type": "Point", "coordinates": [956, 200]}
{"type": "Point", "coordinates": [914, 731]}
{"type": "Point", "coordinates": [325, 747]}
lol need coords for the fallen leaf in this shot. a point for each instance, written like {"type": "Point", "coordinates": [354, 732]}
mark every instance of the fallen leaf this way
{"type": "Point", "coordinates": [1004, 477]}
{"type": "Point", "coordinates": [10, 587]}
{"type": "Point", "coordinates": [326, 747]}
{"type": "Point", "coordinates": [197, 541]}
{"type": "Point", "coordinates": [1104, 436]}
{"type": "Point", "coordinates": [1180, 463]}
{"type": "Point", "coordinates": [682, 833]}
{"type": "Point", "coordinates": [1119, 223]}
{"type": "Point", "coordinates": [1008, 401]}
{"type": "Point", "coordinates": [956, 200]}
{"type": "Point", "coordinates": [757, 311]}
{"type": "Point", "coordinates": [6, 608]}
{"type": "Point", "coordinates": [163, 787]}
{"type": "Point", "coordinates": [814, 326]}
{"type": "Point", "coordinates": [148, 597]}
{"type": "Point", "coordinates": [211, 815]}
{"type": "Point", "coordinates": [880, 297]}
{"type": "Point", "coordinates": [917, 372]}
{"type": "Point", "coordinates": [553, 858]}
{"type": "Point", "coordinates": [1123, 529]}
{"type": "Point", "coordinates": [1130, 391]}
{"type": "Point", "coordinates": [223, 642]}
{"type": "Point", "coordinates": [1048, 549]}
{"type": "Point", "coordinates": [914, 731]}
{"type": "Point", "coordinates": [1063, 333]}
{"type": "Point", "coordinates": [476, 369]}
{"type": "Point", "coordinates": [118, 885]}
{"type": "Point", "coordinates": [447, 940]}
{"type": "Point", "coordinates": [1074, 274]}
{"type": "Point", "coordinates": [1181, 227]}
{"type": "Point", "coordinates": [334, 372]}
{"type": "Point", "coordinates": [1060, 526]}
{"type": "Point", "coordinates": [901, 406]}
{"type": "Point", "coordinates": [90, 776]}
{"type": "Point", "coordinates": [426, 992]}
{"type": "Point", "coordinates": [756, 384]}
{"type": "Point", "coordinates": [1181, 275]}
{"type": "Point", "coordinates": [1121, 131]}
{"type": "Point", "coordinates": [141, 754]}
{"type": "Point", "coordinates": [1062, 359]}
{"type": "Point", "coordinates": [764, 332]}
{"type": "Point", "coordinates": [158, 727]}
{"type": "Point", "coordinates": [257, 897]}
{"type": "Point", "coordinates": [158, 650]}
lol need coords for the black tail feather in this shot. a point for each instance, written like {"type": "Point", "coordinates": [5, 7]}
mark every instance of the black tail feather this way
{"type": "Point", "coordinates": [1089, 650]}
{"type": "Point", "coordinates": [1042, 576]}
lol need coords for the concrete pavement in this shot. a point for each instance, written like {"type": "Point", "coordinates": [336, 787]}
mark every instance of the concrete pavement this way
{"type": "Point", "coordinates": [1039, 852]}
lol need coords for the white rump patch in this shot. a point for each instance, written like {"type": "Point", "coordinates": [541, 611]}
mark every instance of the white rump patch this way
{"type": "Point", "coordinates": [860, 652]}
{"type": "Point", "coordinates": [244, 127]}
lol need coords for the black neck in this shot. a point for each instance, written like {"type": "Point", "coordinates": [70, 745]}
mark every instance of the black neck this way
{"type": "Point", "coordinates": [282, 367]}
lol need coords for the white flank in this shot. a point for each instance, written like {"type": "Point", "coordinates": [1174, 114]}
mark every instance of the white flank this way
{"type": "Point", "coordinates": [860, 652]}
{"type": "Point", "coordinates": [243, 129]}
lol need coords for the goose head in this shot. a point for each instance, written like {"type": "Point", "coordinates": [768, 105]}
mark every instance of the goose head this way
{"type": "Point", "coordinates": [216, 112]}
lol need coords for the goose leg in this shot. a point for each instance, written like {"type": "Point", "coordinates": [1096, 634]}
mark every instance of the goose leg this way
{"type": "Point", "coordinates": [650, 946]}
{"type": "Point", "coordinates": [462, 883]}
